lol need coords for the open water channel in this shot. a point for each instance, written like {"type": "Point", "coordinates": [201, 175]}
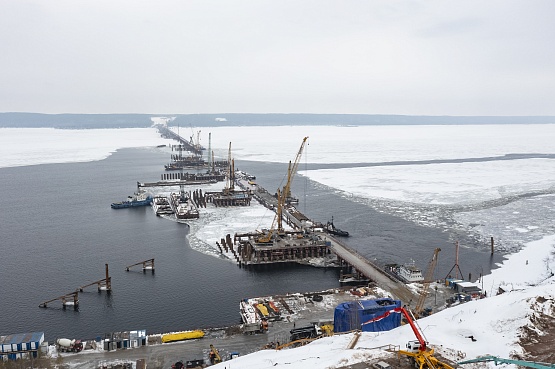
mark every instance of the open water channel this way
{"type": "Point", "coordinates": [58, 231]}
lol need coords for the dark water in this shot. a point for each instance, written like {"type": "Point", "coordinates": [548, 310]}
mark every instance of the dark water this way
{"type": "Point", "coordinates": [58, 231]}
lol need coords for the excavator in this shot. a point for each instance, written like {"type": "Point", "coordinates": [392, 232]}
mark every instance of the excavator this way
{"type": "Point", "coordinates": [214, 355]}
{"type": "Point", "coordinates": [282, 198]}
{"type": "Point", "coordinates": [418, 351]}
{"type": "Point", "coordinates": [419, 310]}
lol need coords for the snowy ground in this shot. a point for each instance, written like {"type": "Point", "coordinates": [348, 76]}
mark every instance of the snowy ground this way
{"type": "Point", "coordinates": [495, 322]}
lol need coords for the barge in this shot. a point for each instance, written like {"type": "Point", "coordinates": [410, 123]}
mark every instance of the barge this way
{"type": "Point", "coordinates": [183, 206]}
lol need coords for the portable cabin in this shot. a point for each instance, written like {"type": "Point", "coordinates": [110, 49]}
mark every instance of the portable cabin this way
{"type": "Point", "coordinates": [21, 345]}
{"type": "Point", "coordinates": [469, 288]}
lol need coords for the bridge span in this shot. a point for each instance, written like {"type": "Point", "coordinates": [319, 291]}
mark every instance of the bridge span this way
{"type": "Point", "coordinates": [398, 289]}
{"type": "Point", "coordinates": [345, 254]}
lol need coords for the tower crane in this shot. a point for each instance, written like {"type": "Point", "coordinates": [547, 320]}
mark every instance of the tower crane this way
{"type": "Point", "coordinates": [282, 196]}
{"type": "Point", "coordinates": [419, 310]}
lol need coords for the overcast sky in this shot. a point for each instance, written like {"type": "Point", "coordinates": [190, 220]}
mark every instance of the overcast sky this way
{"type": "Point", "coordinates": [422, 57]}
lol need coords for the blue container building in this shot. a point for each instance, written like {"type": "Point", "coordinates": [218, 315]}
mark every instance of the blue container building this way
{"type": "Point", "coordinates": [21, 345]}
{"type": "Point", "coordinates": [367, 315]}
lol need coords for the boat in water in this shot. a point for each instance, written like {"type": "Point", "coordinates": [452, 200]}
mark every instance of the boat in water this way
{"type": "Point", "coordinates": [409, 272]}
{"type": "Point", "coordinates": [140, 198]}
{"type": "Point", "coordinates": [353, 279]}
{"type": "Point", "coordinates": [332, 229]}
{"type": "Point", "coordinates": [183, 206]}
{"type": "Point", "coordinates": [161, 205]}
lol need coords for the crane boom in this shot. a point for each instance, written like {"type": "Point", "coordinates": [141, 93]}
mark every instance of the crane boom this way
{"type": "Point", "coordinates": [422, 356]}
{"type": "Point", "coordinates": [293, 169]}
{"type": "Point", "coordinates": [230, 181]}
{"type": "Point", "coordinates": [427, 280]}
{"type": "Point", "coordinates": [415, 329]}
{"type": "Point", "coordinates": [282, 196]}
{"type": "Point", "coordinates": [286, 193]}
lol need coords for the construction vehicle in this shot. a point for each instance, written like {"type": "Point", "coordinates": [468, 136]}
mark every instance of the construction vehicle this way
{"type": "Point", "coordinates": [67, 345]}
{"type": "Point", "coordinates": [281, 197]}
{"type": "Point", "coordinates": [498, 360]}
{"type": "Point", "coordinates": [419, 310]}
{"type": "Point", "coordinates": [214, 355]}
{"type": "Point", "coordinates": [310, 331]}
{"type": "Point", "coordinates": [418, 351]}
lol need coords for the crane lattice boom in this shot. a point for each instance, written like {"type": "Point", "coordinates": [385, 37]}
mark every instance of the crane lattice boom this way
{"type": "Point", "coordinates": [427, 280]}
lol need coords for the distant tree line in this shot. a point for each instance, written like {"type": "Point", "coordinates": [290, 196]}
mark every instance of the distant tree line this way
{"type": "Point", "coordinates": [89, 121]}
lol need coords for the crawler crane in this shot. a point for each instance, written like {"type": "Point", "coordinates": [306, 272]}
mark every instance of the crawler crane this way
{"type": "Point", "coordinates": [282, 196]}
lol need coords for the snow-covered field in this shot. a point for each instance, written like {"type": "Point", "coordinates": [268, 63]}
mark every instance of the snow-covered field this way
{"type": "Point", "coordinates": [32, 146]}
{"type": "Point", "coordinates": [512, 197]}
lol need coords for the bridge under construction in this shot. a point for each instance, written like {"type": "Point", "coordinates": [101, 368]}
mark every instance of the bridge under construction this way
{"type": "Point", "coordinates": [306, 241]}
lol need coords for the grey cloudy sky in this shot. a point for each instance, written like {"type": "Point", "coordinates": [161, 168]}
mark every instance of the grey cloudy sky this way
{"type": "Point", "coordinates": [421, 57]}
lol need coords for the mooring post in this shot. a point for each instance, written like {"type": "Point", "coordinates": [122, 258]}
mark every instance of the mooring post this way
{"type": "Point", "coordinates": [108, 280]}
{"type": "Point", "coordinates": [492, 245]}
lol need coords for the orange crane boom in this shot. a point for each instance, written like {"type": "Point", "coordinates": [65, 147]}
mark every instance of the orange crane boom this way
{"type": "Point", "coordinates": [428, 278]}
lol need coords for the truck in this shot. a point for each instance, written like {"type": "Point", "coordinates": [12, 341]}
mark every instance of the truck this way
{"type": "Point", "coordinates": [310, 331]}
{"type": "Point", "coordinates": [67, 345]}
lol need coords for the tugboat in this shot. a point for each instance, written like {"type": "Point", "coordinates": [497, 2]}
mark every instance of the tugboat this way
{"type": "Point", "coordinates": [140, 198]}
{"type": "Point", "coordinates": [331, 229]}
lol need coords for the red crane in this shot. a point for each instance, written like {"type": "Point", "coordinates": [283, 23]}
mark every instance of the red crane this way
{"type": "Point", "coordinates": [418, 351]}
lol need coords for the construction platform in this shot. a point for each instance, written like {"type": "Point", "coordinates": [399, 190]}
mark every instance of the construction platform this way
{"type": "Point", "coordinates": [291, 246]}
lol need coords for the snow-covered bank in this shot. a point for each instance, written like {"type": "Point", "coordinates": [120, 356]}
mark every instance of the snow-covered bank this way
{"type": "Point", "coordinates": [496, 323]}
{"type": "Point", "coordinates": [32, 146]}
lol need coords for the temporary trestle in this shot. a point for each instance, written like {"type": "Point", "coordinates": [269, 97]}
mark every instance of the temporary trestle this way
{"type": "Point", "coordinates": [147, 264]}
{"type": "Point", "coordinates": [102, 284]}
{"type": "Point", "coordinates": [71, 298]}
